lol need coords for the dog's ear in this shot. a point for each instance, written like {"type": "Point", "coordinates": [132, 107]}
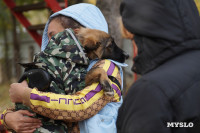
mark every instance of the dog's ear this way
{"type": "Point", "coordinates": [109, 42]}
{"type": "Point", "coordinates": [98, 44]}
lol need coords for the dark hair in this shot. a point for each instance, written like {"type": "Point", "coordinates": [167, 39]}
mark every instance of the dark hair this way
{"type": "Point", "coordinates": [67, 22]}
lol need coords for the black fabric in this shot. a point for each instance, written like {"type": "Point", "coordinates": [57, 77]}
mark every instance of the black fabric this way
{"type": "Point", "coordinates": [167, 33]}
{"type": "Point", "coordinates": [159, 26]}
{"type": "Point", "coordinates": [113, 79]}
{"type": "Point", "coordinates": [170, 93]}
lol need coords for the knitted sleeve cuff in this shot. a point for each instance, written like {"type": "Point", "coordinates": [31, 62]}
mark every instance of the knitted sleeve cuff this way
{"type": "Point", "coordinates": [3, 115]}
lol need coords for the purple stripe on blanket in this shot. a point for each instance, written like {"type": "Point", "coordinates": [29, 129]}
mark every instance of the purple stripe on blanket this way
{"type": "Point", "coordinates": [111, 68]}
{"type": "Point", "coordinates": [116, 89]}
{"type": "Point", "coordinates": [2, 116]}
{"type": "Point", "coordinates": [40, 98]}
{"type": "Point", "coordinates": [90, 94]}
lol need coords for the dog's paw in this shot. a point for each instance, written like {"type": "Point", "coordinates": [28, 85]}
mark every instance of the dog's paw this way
{"type": "Point", "coordinates": [110, 94]}
{"type": "Point", "coordinates": [108, 90]}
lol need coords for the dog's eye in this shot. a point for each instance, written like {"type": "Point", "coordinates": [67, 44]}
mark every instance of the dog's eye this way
{"type": "Point", "coordinates": [98, 43]}
{"type": "Point", "coordinates": [113, 41]}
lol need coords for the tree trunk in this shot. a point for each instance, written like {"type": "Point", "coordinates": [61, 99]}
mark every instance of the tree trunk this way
{"type": "Point", "coordinates": [16, 49]}
{"type": "Point", "coordinates": [110, 9]}
{"type": "Point", "coordinates": [6, 67]}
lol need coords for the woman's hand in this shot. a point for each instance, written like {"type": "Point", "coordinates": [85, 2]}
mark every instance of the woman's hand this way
{"type": "Point", "coordinates": [17, 91]}
{"type": "Point", "coordinates": [19, 121]}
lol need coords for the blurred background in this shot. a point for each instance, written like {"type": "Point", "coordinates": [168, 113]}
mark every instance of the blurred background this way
{"type": "Point", "coordinates": [21, 26]}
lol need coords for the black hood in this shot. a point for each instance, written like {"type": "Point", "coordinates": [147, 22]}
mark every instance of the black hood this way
{"type": "Point", "coordinates": [163, 29]}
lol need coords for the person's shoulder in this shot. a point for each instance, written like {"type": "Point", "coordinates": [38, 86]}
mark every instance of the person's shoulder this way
{"type": "Point", "coordinates": [175, 75]}
{"type": "Point", "coordinates": [159, 80]}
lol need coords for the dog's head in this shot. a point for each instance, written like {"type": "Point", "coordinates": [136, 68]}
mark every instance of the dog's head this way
{"type": "Point", "coordinates": [99, 44]}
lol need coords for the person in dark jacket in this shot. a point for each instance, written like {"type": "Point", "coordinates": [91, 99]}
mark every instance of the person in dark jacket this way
{"type": "Point", "coordinates": [166, 99]}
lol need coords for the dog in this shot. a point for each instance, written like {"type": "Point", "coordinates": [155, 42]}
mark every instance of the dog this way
{"type": "Point", "coordinates": [99, 44]}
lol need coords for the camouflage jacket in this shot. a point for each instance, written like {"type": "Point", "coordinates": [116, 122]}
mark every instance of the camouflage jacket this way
{"type": "Point", "coordinates": [64, 59]}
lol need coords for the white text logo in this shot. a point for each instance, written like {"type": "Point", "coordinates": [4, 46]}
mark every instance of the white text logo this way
{"type": "Point", "coordinates": [179, 124]}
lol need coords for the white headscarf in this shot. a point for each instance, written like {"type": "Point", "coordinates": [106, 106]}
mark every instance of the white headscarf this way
{"type": "Point", "coordinates": [86, 14]}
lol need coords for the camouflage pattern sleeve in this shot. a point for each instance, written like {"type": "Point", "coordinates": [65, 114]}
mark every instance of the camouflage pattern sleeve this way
{"type": "Point", "coordinates": [82, 105]}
